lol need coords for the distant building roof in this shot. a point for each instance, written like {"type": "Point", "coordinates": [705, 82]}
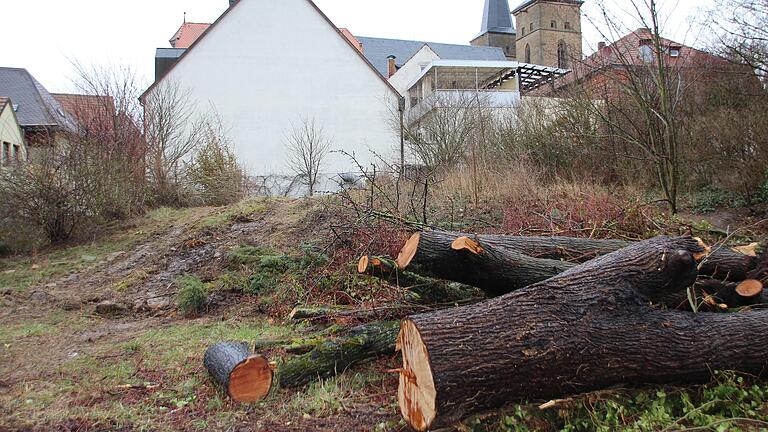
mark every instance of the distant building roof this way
{"type": "Point", "coordinates": [94, 114]}
{"type": "Point", "coordinates": [3, 102]}
{"type": "Point", "coordinates": [187, 34]}
{"type": "Point", "coordinates": [171, 53]}
{"type": "Point", "coordinates": [36, 107]}
{"type": "Point", "coordinates": [376, 50]}
{"type": "Point", "coordinates": [497, 18]}
{"type": "Point", "coordinates": [352, 39]}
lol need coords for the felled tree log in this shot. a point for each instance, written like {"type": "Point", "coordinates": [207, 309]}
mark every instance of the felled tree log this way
{"type": "Point", "coordinates": [245, 377]}
{"type": "Point", "coordinates": [588, 328]}
{"type": "Point", "coordinates": [336, 355]}
{"type": "Point", "coordinates": [714, 295]}
{"type": "Point", "coordinates": [427, 290]}
{"type": "Point", "coordinates": [428, 249]}
{"type": "Point", "coordinates": [494, 270]}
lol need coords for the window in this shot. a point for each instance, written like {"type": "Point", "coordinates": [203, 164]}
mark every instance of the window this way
{"type": "Point", "coordinates": [567, 25]}
{"type": "Point", "coordinates": [562, 55]}
{"type": "Point", "coordinates": [16, 153]}
{"type": "Point", "coordinates": [523, 29]}
{"type": "Point", "coordinates": [674, 51]}
{"type": "Point", "coordinates": [6, 156]}
{"type": "Point", "coordinates": [553, 24]}
{"type": "Point", "coordinates": [646, 51]}
{"type": "Point", "coordinates": [530, 27]}
{"type": "Point", "coordinates": [527, 53]}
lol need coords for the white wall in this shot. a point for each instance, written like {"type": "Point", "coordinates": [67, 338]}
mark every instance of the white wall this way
{"type": "Point", "coordinates": [411, 70]}
{"type": "Point", "coordinates": [268, 63]}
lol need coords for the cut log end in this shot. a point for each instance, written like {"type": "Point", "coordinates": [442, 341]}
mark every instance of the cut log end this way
{"type": "Point", "coordinates": [362, 265]}
{"type": "Point", "coordinates": [416, 394]}
{"type": "Point", "coordinates": [408, 251]}
{"type": "Point", "coordinates": [749, 288]}
{"type": "Point", "coordinates": [467, 244]}
{"type": "Point", "coordinates": [251, 380]}
{"type": "Point", "coordinates": [701, 255]}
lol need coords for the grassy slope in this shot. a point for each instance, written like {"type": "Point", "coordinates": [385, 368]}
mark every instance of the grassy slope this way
{"type": "Point", "coordinates": [61, 366]}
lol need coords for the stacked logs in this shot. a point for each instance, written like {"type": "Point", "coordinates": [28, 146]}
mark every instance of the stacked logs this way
{"type": "Point", "coordinates": [566, 315]}
{"type": "Point", "coordinates": [565, 327]}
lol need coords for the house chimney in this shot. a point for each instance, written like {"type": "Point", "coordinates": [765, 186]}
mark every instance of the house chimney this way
{"type": "Point", "coordinates": [391, 65]}
{"type": "Point", "coordinates": [600, 46]}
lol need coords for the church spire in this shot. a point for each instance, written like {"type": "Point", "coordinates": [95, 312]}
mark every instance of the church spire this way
{"type": "Point", "coordinates": [497, 18]}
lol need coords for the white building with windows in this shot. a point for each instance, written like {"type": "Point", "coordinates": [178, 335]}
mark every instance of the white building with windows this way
{"type": "Point", "coordinates": [13, 150]}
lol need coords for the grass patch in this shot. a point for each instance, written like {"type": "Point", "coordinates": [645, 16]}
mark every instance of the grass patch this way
{"type": "Point", "coordinates": [729, 403]}
{"type": "Point", "coordinates": [23, 272]}
{"type": "Point", "coordinates": [244, 211]}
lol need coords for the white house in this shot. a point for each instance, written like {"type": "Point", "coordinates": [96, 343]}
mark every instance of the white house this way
{"type": "Point", "coordinates": [265, 65]}
{"type": "Point", "coordinates": [12, 147]}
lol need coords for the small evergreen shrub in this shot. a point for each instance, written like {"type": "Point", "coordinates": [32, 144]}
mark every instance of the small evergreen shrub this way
{"type": "Point", "coordinates": [191, 295]}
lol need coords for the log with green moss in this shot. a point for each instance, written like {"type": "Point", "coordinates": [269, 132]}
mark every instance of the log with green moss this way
{"type": "Point", "coordinates": [336, 355]}
{"type": "Point", "coordinates": [427, 290]}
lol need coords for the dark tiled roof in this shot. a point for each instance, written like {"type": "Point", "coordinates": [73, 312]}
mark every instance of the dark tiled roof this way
{"type": "Point", "coordinates": [497, 18]}
{"type": "Point", "coordinates": [36, 107]}
{"type": "Point", "coordinates": [376, 50]}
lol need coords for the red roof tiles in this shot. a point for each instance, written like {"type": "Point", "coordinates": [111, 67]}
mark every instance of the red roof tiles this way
{"type": "Point", "coordinates": [188, 34]}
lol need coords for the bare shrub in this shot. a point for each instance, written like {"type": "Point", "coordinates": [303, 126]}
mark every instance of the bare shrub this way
{"type": "Point", "coordinates": [172, 132]}
{"type": "Point", "coordinates": [308, 147]}
{"type": "Point", "coordinates": [215, 172]}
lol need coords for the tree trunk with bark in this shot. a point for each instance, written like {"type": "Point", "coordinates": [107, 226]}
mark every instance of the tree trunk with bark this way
{"type": "Point", "coordinates": [430, 252]}
{"type": "Point", "coordinates": [493, 269]}
{"type": "Point", "coordinates": [336, 355]}
{"type": "Point", "coordinates": [245, 377]}
{"type": "Point", "coordinates": [588, 328]}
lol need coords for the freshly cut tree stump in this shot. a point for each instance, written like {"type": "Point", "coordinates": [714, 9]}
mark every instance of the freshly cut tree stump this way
{"type": "Point", "coordinates": [588, 328]}
{"type": "Point", "coordinates": [429, 252]}
{"type": "Point", "coordinates": [245, 377]}
{"type": "Point", "coordinates": [336, 355]}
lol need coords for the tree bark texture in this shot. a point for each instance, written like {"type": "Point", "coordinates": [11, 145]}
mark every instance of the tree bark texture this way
{"type": "Point", "coordinates": [336, 355]}
{"type": "Point", "coordinates": [588, 328]}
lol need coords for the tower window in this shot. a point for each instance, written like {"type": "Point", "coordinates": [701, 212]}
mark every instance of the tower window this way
{"type": "Point", "coordinates": [567, 25]}
{"type": "Point", "coordinates": [523, 29]}
{"type": "Point", "coordinates": [553, 24]}
{"type": "Point", "coordinates": [531, 27]}
{"type": "Point", "coordinates": [562, 55]}
{"type": "Point", "coordinates": [527, 53]}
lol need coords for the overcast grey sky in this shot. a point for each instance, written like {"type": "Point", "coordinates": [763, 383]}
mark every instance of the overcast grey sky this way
{"type": "Point", "coordinates": [44, 35]}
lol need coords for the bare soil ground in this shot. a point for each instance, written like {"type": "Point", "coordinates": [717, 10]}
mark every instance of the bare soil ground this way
{"type": "Point", "coordinates": [64, 364]}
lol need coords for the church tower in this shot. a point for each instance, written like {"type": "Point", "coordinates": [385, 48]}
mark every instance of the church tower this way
{"type": "Point", "coordinates": [549, 32]}
{"type": "Point", "coordinates": [497, 29]}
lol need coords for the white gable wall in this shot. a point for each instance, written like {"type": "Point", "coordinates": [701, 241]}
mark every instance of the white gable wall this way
{"type": "Point", "coordinates": [410, 71]}
{"type": "Point", "coordinates": [268, 63]}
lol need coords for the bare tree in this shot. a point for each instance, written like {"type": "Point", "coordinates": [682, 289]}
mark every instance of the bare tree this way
{"type": "Point", "coordinates": [308, 147]}
{"type": "Point", "coordinates": [172, 132]}
{"type": "Point", "coordinates": [743, 32]}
